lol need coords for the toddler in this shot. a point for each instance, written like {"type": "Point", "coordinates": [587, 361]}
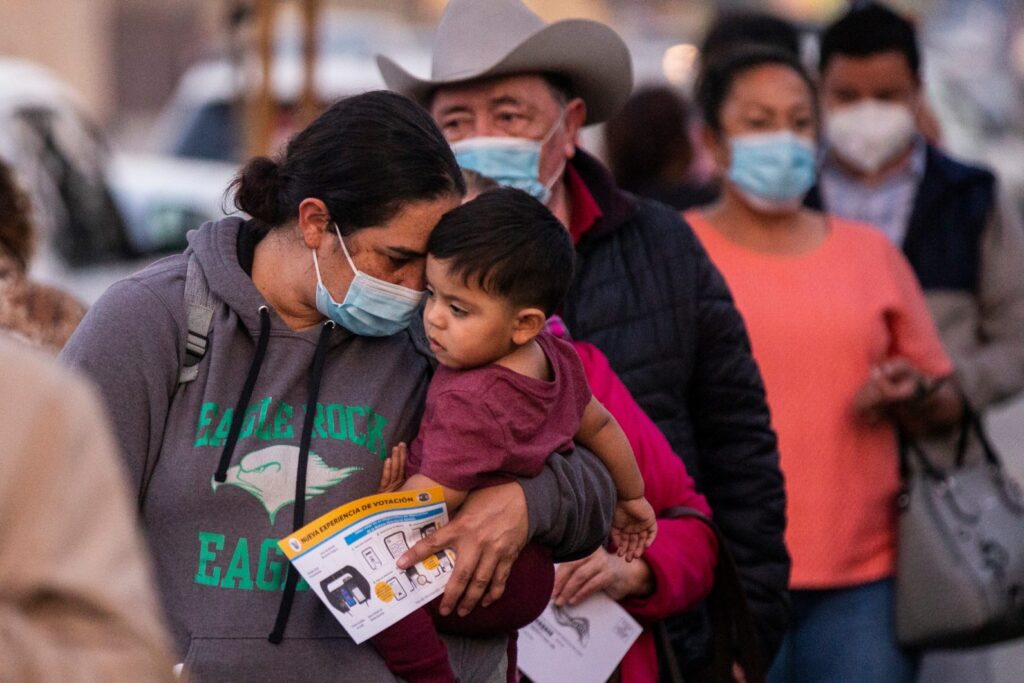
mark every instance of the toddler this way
{"type": "Point", "coordinates": [506, 396]}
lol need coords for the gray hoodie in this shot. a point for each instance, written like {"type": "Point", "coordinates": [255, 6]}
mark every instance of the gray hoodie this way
{"type": "Point", "coordinates": [219, 570]}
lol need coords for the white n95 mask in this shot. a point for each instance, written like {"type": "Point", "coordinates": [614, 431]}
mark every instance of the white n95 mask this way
{"type": "Point", "coordinates": [869, 134]}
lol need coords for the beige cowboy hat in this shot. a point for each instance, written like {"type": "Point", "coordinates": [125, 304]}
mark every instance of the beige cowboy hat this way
{"type": "Point", "coordinates": [484, 38]}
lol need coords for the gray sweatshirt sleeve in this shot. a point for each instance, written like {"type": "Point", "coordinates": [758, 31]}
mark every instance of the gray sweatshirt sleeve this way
{"type": "Point", "coordinates": [128, 345]}
{"type": "Point", "coordinates": [570, 504]}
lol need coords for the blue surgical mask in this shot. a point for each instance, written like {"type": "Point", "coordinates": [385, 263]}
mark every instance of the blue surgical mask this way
{"type": "Point", "coordinates": [509, 161]}
{"type": "Point", "coordinates": [772, 170]}
{"type": "Point", "coordinates": [372, 307]}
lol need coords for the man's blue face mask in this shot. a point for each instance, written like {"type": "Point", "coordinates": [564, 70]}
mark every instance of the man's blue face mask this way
{"type": "Point", "coordinates": [513, 162]}
{"type": "Point", "coordinates": [372, 307]}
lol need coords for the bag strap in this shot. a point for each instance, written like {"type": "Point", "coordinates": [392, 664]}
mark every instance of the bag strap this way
{"type": "Point", "coordinates": [734, 637]}
{"type": "Point", "coordinates": [199, 308]}
{"type": "Point", "coordinates": [971, 421]}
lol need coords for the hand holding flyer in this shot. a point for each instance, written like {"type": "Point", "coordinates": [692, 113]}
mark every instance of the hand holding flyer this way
{"type": "Point", "coordinates": [348, 558]}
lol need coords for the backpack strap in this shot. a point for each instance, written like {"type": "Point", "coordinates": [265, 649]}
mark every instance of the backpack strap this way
{"type": "Point", "coordinates": [199, 308]}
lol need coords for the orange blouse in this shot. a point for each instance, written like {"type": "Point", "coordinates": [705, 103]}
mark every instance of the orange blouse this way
{"type": "Point", "coordinates": [818, 322]}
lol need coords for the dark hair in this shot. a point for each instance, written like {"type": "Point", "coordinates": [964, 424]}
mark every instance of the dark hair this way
{"type": "Point", "coordinates": [365, 157]}
{"type": "Point", "coordinates": [717, 77]}
{"type": "Point", "coordinates": [869, 30]}
{"type": "Point", "coordinates": [508, 244]}
{"type": "Point", "coordinates": [16, 230]}
{"type": "Point", "coordinates": [649, 132]}
{"type": "Point", "coordinates": [735, 30]}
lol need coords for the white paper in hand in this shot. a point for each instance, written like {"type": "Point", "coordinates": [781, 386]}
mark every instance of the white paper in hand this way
{"type": "Point", "coordinates": [583, 643]}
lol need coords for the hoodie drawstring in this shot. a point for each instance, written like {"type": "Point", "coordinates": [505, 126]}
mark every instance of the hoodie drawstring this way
{"type": "Point", "coordinates": [299, 516]}
{"type": "Point", "coordinates": [243, 400]}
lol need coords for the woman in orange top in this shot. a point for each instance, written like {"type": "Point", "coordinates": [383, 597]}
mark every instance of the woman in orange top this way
{"type": "Point", "coordinates": [847, 350]}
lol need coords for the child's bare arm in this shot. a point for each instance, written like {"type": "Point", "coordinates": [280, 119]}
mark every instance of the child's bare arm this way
{"type": "Point", "coordinates": [600, 433]}
{"type": "Point", "coordinates": [452, 497]}
{"type": "Point", "coordinates": [392, 478]}
{"type": "Point", "coordinates": [633, 526]}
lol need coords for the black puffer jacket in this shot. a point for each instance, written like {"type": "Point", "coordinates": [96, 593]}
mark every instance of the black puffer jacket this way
{"type": "Point", "coordinates": [648, 296]}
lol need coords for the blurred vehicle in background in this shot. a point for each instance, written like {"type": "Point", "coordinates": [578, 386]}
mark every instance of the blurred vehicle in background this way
{"type": "Point", "coordinates": [104, 212]}
{"type": "Point", "coordinates": [60, 158]}
{"type": "Point", "coordinates": [95, 205]}
{"type": "Point", "coordinates": [206, 116]}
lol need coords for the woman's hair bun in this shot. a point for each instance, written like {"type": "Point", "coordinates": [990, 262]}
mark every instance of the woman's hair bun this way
{"type": "Point", "coordinates": [257, 189]}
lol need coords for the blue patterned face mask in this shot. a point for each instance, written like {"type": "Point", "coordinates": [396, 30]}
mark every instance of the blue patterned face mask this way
{"type": "Point", "coordinates": [772, 170]}
{"type": "Point", "coordinates": [513, 162]}
{"type": "Point", "coordinates": [372, 307]}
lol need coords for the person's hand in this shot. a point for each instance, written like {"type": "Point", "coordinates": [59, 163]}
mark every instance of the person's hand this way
{"type": "Point", "coordinates": [487, 535]}
{"type": "Point", "coordinates": [889, 384]}
{"type": "Point", "coordinates": [634, 526]}
{"type": "Point", "coordinates": [601, 571]}
{"type": "Point", "coordinates": [393, 475]}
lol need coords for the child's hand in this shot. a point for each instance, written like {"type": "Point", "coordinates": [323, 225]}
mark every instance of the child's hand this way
{"type": "Point", "coordinates": [634, 527]}
{"type": "Point", "coordinates": [393, 476]}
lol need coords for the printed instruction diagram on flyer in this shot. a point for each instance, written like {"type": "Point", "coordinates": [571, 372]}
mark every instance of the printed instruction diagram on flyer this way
{"type": "Point", "coordinates": [348, 558]}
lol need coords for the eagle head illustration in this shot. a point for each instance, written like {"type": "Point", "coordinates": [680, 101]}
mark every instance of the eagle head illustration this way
{"type": "Point", "coordinates": [269, 475]}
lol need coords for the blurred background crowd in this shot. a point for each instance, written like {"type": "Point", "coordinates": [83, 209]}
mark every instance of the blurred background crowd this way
{"type": "Point", "coordinates": [146, 107]}
{"type": "Point", "coordinates": [125, 120]}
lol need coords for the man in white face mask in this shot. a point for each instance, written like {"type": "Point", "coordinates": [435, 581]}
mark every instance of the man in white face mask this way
{"type": "Point", "coordinates": [946, 215]}
{"type": "Point", "coordinates": [510, 93]}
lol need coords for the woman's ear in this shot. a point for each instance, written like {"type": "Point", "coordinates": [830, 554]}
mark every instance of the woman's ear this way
{"type": "Point", "coordinates": [314, 221]}
{"type": "Point", "coordinates": [529, 322]}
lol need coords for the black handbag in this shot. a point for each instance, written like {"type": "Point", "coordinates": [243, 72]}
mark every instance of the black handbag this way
{"type": "Point", "coordinates": [960, 558]}
{"type": "Point", "coordinates": [734, 640]}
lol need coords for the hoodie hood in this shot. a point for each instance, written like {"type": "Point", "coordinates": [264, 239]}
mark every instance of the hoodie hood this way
{"type": "Point", "coordinates": [215, 247]}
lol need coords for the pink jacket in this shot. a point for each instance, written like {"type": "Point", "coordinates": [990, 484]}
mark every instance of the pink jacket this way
{"type": "Point", "coordinates": [683, 555]}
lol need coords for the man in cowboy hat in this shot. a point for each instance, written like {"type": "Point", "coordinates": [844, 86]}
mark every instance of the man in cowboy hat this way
{"type": "Point", "coordinates": [511, 92]}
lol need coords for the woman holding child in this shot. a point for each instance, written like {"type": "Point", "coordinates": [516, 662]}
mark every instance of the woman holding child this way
{"type": "Point", "coordinates": [302, 318]}
{"type": "Point", "coordinates": [262, 378]}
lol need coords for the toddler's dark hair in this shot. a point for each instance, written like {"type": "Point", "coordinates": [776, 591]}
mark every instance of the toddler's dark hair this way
{"type": "Point", "coordinates": [508, 244]}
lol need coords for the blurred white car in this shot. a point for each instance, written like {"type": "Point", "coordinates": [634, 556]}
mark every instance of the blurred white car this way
{"type": "Point", "coordinates": [100, 213]}
{"type": "Point", "coordinates": [93, 204]}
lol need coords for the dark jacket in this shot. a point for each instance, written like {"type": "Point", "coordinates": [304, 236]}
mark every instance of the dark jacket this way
{"type": "Point", "coordinates": [951, 211]}
{"type": "Point", "coordinates": [647, 295]}
{"type": "Point", "coordinates": [952, 208]}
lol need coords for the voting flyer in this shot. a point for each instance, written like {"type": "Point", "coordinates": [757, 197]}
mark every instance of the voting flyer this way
{"type": "Point", "coordinates": [348, 557]}
{"type": "Point", "coordinates": [583, 643]}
